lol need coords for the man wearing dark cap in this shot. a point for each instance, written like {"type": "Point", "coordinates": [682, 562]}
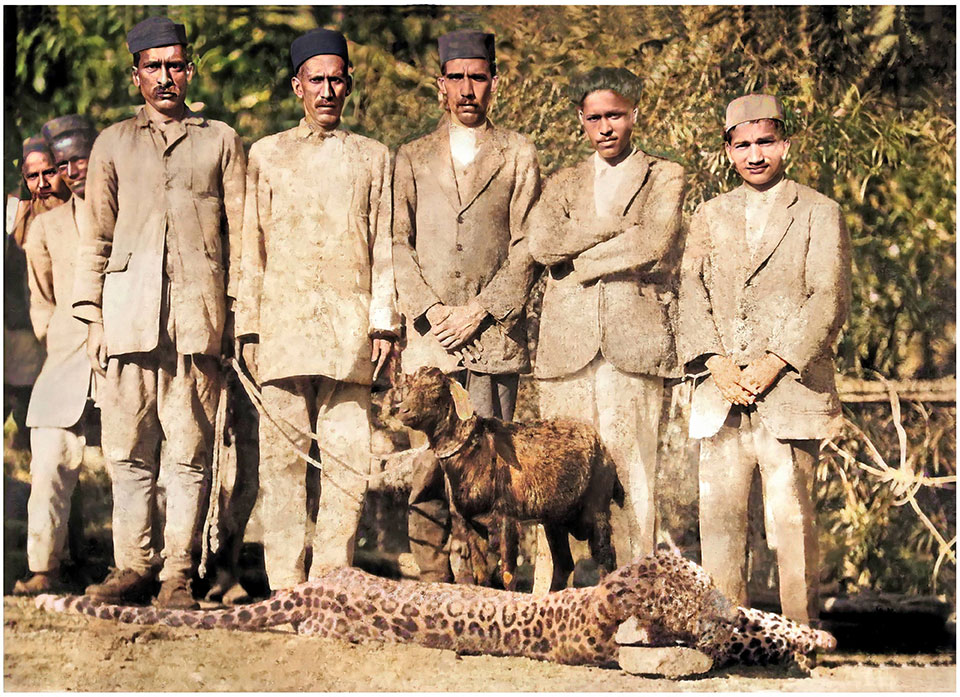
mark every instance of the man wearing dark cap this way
{"type": "Point", "coordinates": [608, 228]}
{"type": "Point", "coordinates": [60, 402]}
{"type": "Point", "coordinates": [461, 198]}
{"type": "Point", "coordinates": [23, 355]}
{"type": "Point", "coordinates": [765, 288]}
{"type": "Point", "coordinates": [165, 195]}
{"type": "Point", "coordinates": [316, 311]}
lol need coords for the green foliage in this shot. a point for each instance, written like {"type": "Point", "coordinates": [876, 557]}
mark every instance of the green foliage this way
{"type": "Point", "coordinates": [870, 93]}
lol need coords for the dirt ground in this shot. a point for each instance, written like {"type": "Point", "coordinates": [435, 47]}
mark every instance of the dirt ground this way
{"type": "Point", "coordinates": [44, 652]}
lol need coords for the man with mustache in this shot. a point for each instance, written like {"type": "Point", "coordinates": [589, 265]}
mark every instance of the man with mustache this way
{"type": "Point", "coordinates": [461, 199]}
{"type": "Point", "coordinates": [609, 231]}
{"type": "Point", "coordinates": [23, 355]}
{"type": "Point", "coordinates": [165, 193]}
{"type": "Point", "coordinates": [765, 288]}
{"type": "Point", "coordinates": [317, 310]}
{"type": "Point", "coordinates": [60, 403]}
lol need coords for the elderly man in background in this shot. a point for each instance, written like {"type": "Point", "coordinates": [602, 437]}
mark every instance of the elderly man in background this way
{"type": "Point", "coordinates": [23, 355]}
{"type": "Point", "coordinates": [61, 396]}
{"type": "Point", "coordinates": [165, 201]}
{"type": "Point", "coordinates": [317, 310]}
{"type": "Point", "coordinates": [609, 231]}
{"type": "Point", "coordinates": [461, 199]}
{"type": "Point", "coordinates": [765, 288]}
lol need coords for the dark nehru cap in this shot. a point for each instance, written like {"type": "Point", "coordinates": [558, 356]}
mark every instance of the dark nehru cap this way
{"type": "Point", "coordinates": [36, 143]}
{"type": "Point", "coordinates": [70, 135]}
{"type": "Point", "coordinates": [154, 32]}
{"type": "Point", "coordinates": [318, 42]}
{"type": "Point", "coordinates": [467, 43]}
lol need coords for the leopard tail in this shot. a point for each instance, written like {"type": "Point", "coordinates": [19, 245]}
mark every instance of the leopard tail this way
{"type": "Point", "coordinates": [287, 607]}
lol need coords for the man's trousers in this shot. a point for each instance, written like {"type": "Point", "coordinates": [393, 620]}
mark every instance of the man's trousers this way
{"type": "Point", "coordinates": [625, 410]}
{"type": "Point", "coordinates": [157, 413]}
{"type": "Point", "coordinates": [339, 414]}
{"type": "Point", "coordinates": [727, 461]}
{"type": "Point", "coordinates": [428, 522]}
{"type": "Point", "coordinates": [56, 456]}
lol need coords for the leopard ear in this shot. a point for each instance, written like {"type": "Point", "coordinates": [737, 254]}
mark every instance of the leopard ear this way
{"type": "Point", "coordinates": [461, 399]}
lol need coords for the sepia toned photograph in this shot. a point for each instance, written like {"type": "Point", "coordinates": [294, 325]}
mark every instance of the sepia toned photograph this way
{"type": "Point", "coordinates": [463, 348]}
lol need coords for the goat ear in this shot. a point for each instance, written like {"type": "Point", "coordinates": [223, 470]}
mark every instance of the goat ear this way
{"type": "Point", "coordinates": [461, 399]}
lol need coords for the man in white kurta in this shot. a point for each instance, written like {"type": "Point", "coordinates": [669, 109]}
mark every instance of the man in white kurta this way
{"type": "Point", "coordinates": [317, 311]}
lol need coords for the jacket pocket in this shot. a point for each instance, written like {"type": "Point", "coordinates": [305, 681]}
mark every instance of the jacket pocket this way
{"type": "Point", "coordinates": [117, 263]}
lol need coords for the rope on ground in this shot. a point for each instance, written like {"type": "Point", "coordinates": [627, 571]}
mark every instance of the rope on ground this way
{"type": "Point", "coordinates": [905, 481]}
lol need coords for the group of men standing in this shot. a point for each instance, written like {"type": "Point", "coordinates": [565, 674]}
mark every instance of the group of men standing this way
{"type": "Point", "coordinates": [318, 262]}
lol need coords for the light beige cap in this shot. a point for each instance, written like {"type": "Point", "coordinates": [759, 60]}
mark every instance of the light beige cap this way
{"type": "Point", "coordinates": [751, 107]}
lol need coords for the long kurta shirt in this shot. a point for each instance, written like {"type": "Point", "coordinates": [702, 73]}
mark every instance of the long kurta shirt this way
{"type": "Point", "coordinates": [165, 208]}
{"type": "Point", "coordinates": [317, 275]}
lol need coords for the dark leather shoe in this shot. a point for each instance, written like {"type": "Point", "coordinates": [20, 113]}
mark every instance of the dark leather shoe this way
{"type": "Point", "coordinates": [176, 594]}
{"type": "Point", "coordinates": [39, 583]}
{"type": "Point", "coordinates": [123, 585]}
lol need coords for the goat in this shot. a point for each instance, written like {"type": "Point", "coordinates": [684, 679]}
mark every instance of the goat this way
{"type": "Point", "coordinates": [555, 472]}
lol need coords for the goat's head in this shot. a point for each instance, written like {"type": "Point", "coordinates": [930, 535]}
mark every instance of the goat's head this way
{"type": "Point", "coordinates": [427, 398]}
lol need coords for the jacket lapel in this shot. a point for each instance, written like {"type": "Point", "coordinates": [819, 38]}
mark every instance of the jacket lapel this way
{"type": "Point", "coordinates": [489, 161]}
{"type": "Point", "coordinates": [781, 217]}
{"type": "Point", "coordinates": [443, 173]}
{"type": "Point", "coordinates": [633, 179]}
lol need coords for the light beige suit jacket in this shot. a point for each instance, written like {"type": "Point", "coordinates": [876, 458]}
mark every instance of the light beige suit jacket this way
{"type": "Point", "coordinates": [451, 246]}
{"type": "Point", "coordinates": [61, 390]}
{"type": "Point", "coordinates": [317, 273]}
{"type": "Point", "coordinates": [790, 297]}
{"type": "Point", "coordinates": [148, 198]}
{"type": "Point", "coordinates": [612, 280]}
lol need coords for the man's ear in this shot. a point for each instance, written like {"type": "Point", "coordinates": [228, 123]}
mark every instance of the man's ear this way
{"type": "Point", "coordinates": [442, 85]}
{"type": "Point", "coordinates": [786, 147]}
{"type": "Point", "coordinates": [729, 150]}
{"type": "Point", "coordinates": [349, 85]}
{"type": "Point", "coordinates": [493, 83]}
{"type": "Point", "coordinates": [297, 87]}
{"type": "Point", "coordinates": [580, 117]}
{"type": "Point", "coordinates": [135, 76]}
{"type": "Point", "coordinates": [191, 71]}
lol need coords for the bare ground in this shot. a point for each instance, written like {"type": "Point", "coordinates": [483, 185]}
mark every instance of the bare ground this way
{"type": "Point", "coordinates": [46, 652]}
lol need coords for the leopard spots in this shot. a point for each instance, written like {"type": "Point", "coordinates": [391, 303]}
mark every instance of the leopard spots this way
{"type": "Point", "coordinates": [673, 597]}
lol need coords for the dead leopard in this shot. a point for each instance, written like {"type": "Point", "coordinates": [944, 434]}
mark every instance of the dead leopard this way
{"type": "Point", "coordinates": [673, 599]}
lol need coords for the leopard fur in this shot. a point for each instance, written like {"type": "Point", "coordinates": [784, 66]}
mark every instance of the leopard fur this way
{"type": "Point", "coordinates": [669, 595]}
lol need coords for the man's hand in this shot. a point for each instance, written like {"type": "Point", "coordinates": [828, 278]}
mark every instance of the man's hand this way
{"type": "Point", "coordinates": [382, 350]}
{"type": "Point", "coordinates": [459, 326]}
{"type": "Point", "coordinates": [726, 375]}
{"type": "Point", "coordinates": [248, 354]}
{"type": "Point", "coordinates": [97, 348]}
{"type": "Point", "coordinates": [759, 376]}
{"type": "Point", "coordinates": [436, 314]}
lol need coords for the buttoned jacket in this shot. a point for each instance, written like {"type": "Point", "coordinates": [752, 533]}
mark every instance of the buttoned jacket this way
{"type": "Point", "coordinates": [611, 286]}
{"type": "Point", "coordinates": [61, 390]}
{"type": "Point", "coordinates": [317, 274]}
{"type": "Point", "coordinates": [790, 297]}
{"type": "Point", "coordinates": [153, 203]}
{"type": "Point", "coordinates": [453, 245]}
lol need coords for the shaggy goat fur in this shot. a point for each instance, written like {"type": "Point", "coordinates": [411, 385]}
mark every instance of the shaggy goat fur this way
{"type": "Point", "coordinates": [553, 472]}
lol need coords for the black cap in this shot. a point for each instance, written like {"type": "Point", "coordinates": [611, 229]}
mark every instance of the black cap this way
{"type": "Point", "coordinates": [69, 135]}
{"type": "Point", "coordinates": [154, 32]}
{"type": "Point", "coordinates": [467, 43]}
{"type": "Point", "coordinates": [318, 42]}
{"type": "Point", "coordinates": [35, 143]}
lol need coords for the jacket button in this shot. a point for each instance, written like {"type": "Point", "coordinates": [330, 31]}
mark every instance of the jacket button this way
{"type": "Point", "coordinates": [459, 247]}
{"type": "Point", "coordinates": [460, 218]}
{"type": "Point", "coordinates": [743, 314]}
{"type": "Point", "coordinates": [743, 345]}
{"type": "Point", "coordinates": [456, 274]}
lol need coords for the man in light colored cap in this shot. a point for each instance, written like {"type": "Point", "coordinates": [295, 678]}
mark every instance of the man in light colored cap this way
{"type": "Point", "coordinates": [60, 404]}
{"type": "Point", "coordinates": [765, 289]}
{"type": "Point", "coordinates": [461, 199]}
{"type": "Point", "coordinates": [153, 282]}
{"type": "Point", "coordinates": [317, 311]}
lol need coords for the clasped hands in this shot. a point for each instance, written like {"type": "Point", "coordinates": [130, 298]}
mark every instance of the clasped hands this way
{"type": "Point", "coordinates": [455, 325]}
{"type": "Point", "coordinates": [742, 387]}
